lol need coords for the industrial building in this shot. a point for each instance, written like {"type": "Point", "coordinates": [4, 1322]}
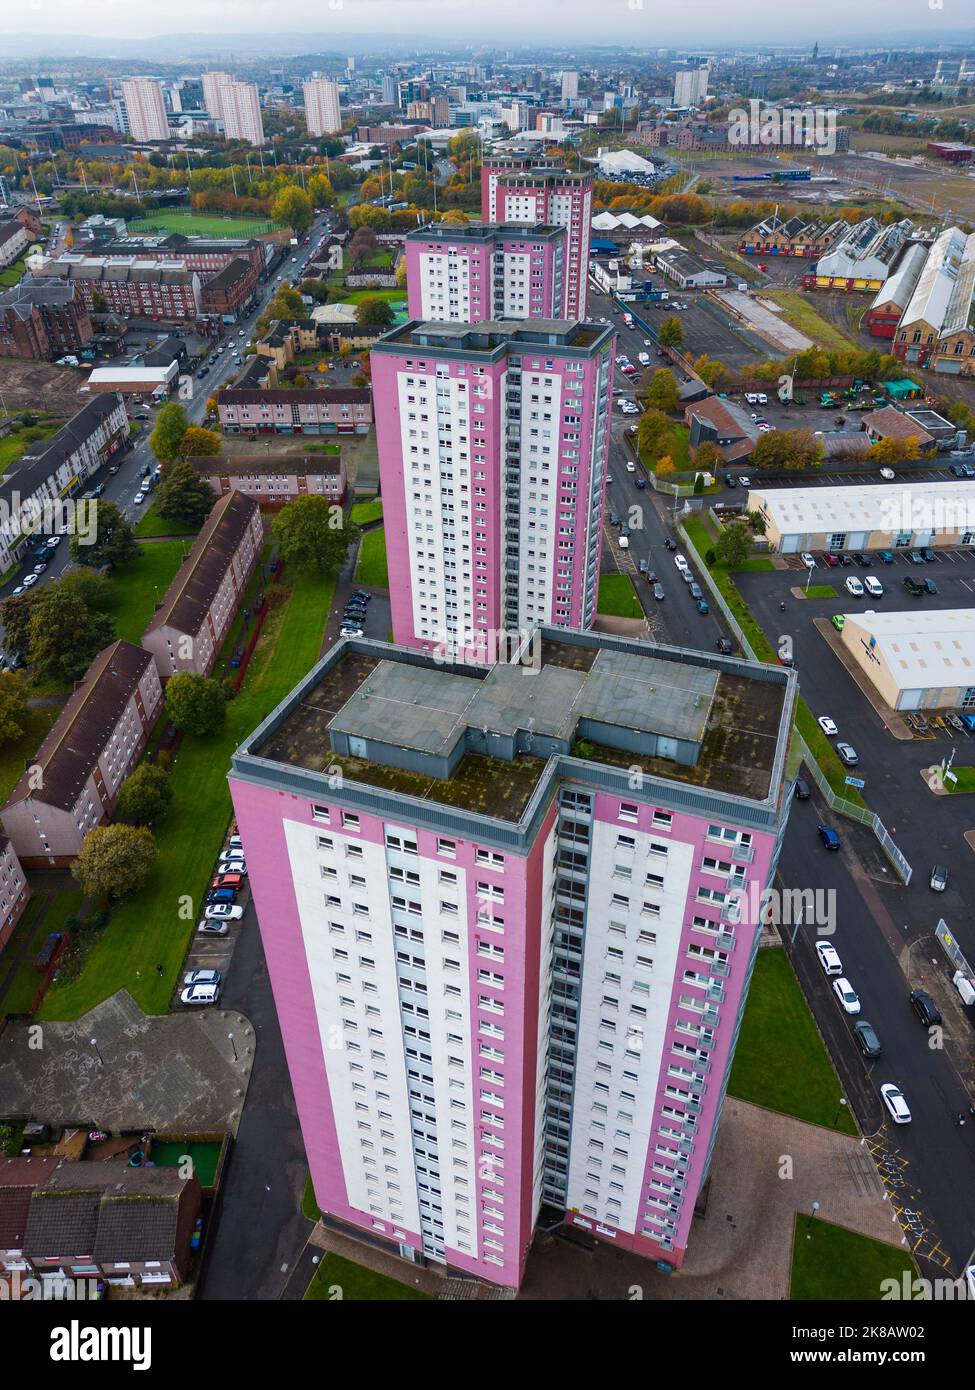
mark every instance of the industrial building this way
{"type": "Point", "coordinates": [937, 329]}
{"type": "Point", "coordinates": [894, 295]}
{"type": "Point", "coordinates": [885, 516]}
{"type": "Point", "coordinates": [916, 659]}
{"type": "Point", "coordinates": [861, 260]}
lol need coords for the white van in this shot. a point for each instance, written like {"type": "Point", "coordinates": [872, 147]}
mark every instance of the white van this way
{"type": "Point", "coordinates": [200, 994]}
{"type": "Point", "coordinates": [624, 543]}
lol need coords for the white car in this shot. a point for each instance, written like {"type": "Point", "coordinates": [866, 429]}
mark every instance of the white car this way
{"type": "Point", "coordinates": [893, 1098]}
{"type": "Point", "coordinates": [30, 579]}
{"type": "Point", "coordinates": [232, 866]}
{"type": "Point", "coordinates": [847, 995]}
{"type": "Point", "coordinates": [631, 467]}
{"type": "Point", "coordinates": [828, 958]}
{"type": "Point", "coordinates": [887, 474]}
{"type": "Point", "coordinates": [223, 912]}
{"type": "Point", "coordinates": [854, 586]}
{"type": "Point", "coordinates": [873, 587]}
{"type": "Point", "coordinates": [202, 977]}
{"type": "Point", "coordinates": [235, 842]}
{"type": "Point", "coordinates": [200, 994]}
{"type": "Point", "coordinates": [807, 560]}
{"type": "Point", "coordinates": [680, 561]}
{"type": "Point", "coordinates": [138, 499]}
{"type": "Point", "coordinates": [827, 725]}
{"type": "Point", "coordinates": [744, 480]}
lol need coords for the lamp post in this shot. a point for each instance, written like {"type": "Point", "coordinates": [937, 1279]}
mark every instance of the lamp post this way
{"type": "Point", "coordinates": [234, 1046]}
{"type": "Point", "coordinates": [101, 1059]}
{"type": "Point", "coordinates": [815, 1209]}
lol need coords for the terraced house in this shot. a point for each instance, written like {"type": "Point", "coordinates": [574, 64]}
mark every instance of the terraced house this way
{"type": "Point", "coordinates": [188, 627]}
{"type": "Point", "coordinates": [331, 410]}
{"type": "Point", "coordinates": [73, 783]}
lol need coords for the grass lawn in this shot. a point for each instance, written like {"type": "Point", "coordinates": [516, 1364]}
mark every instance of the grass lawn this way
{"type": "Point", "coordinates": [797, 310]}
{"type": "Point", "coordinates": [397, 298]}
{"type": "Point", "coordinates": [966, 780]}
{"type": "Point", "coordinates": [60, 906]}
{"type": "Point", "coordinates": [12, 274]}
{"type": "Point", "coordinates": [338, 1281]}
{"type": "Point", "coordinates": [151, 524]}
{"type": "Point", "coordinates": [825, 754]}
{"type": "Point", "coordinates": [309, 1207]}
{"type": "Point", "coordinates": [617, 597]}
{"type": "Point", "coordinates": [819, 591]}
{"type": "Point", "coordinates": [140, 585]}
{"type": "Point", "coordinates": [147, 928]}
{"type": "Point", "coordinates": [13, 445]}
{"type": "Point", "coordinates": [831, 1262]}
{"type": "Point", "coordinates": [203, 224]}
{"type": "Point", "coordinates": [780, 1061]}
{"type": "Point", "coordinates": [15, 756]}
{"type": "Point", "coordinates": [677, 447]}
{"type": "Point", "coordinates": [372, 568]}
{"type": "Point", "coordinates": [364, 512]}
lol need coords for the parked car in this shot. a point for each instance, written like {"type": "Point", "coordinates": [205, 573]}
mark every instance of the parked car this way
{"type": "Point", "coordinates": [828, 836]}
{"type": "Point", "coordinates": [209, 927]}
{"type": "Point", "coordinates": [725, 646]}
{"type": "Point", "coordinates": [744, 480]}
{"type": "Point", "coordinates": [695, 589]}
{"type": "Point", "coordinates": [827, 725]}
{"type": "Point", "coordinates": [227, 880]}
{"type": "Point", "coordinates": [915, 557]}
{"type": "Point", "coordinates": [929, 585]}
{"type": "Point", "coordinates": [729, 479]}
{"type": "Point", "coordinates": [831, 559]}
{"type": "Point", "coordinates": [221, 895]}
{"type": "Point", "coordinates": [887, 474]}
{"type": "Point", "coordinates": [928, 555]}
{"type": "Point", "coordinates": [847, 995]}
{"type": "Point", "coordinates": [866, 1036]}
{"type": "Point", "coordinates": [138, 499]}
{"type": "Point", "coordinates": [873, 586]}
{"type": "Point", "coordinates": [703, 606]}
{"type": "Point", "coordinates": [893, 1098]}
{"type": "Point", "coordinates": [829, 958]}
{"type": "Point", "coordinates": [802, 792]}
{"type": "Point", "coordinates": [838, 621]}
{"type": "Point", "coordinates": [939, 878]}
{"type": "Point", "coordinates": [680, 561]}
{"type": "Point", "coordinates": [200, 994]}
{"type": "Point", "coordinates": [807, 560]}
{"type": "Point", "coordinates": [202, 977]}
{"type": "Point", "coordinates": [224, 912]}
{"type": "Point", "coordinates": [669, 543]}
{"type": "Point", "coordinates": [862, 560]}
{"type": "Point", "coordinates": [925, 1007]}
{"type": "Point", "coordinates": [854, 586]}
{"type": "Point", "coordinates": [658, 592]}
{"type": "Point", "coordinates": [848, 754]}
{"type": "Point", "coordinates": [914, 586]}
{"type": "Point", "coordinates": [886, 557]}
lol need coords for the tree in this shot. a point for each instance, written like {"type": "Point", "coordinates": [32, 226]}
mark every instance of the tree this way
{"type": "Point", "coordinates": [94, 589]}
{"type": "Point", "coordinates": [15, 615]}
{"type": "Point", "coordinates": [671, 333]}
{"type": "Point", "coordinates": [662, 392]}
{"type": "Point", "coordinates": [99, 304]}
{"type": "Point", "coordinates": [195, 703]}
{"type": "Point", "coordinates": [708, 457]}
{"type": "Point", "coordinates": [64, 635]}
{"type": "Point", "coordinates": [312, 534]}
{"type": "Point", "coordinates": [734, 544]}
{"type": "Point", "coordinates": [171, 425]}
{"type": "Point", "coordinates": [320, 191]}
{"type": "Point", "coordinates": [13, 706]}
{"type": "Point", "coordinates": [293, 208]}
{"type": "Point", "coordinates": [653, 433]}
{"type": "Point", "coordinates": [664, 465]}
{"type": "Point", "coordinates": [145, 796]}
{"type": "Point", "coordinates": [111, 540]}
{"type": "Point", "coordinates": [115, 860]}
{"type": "Point", "coordinates": [889, 451]}
{"type": "Point", "coordinates": [373, 312]}
{"type": "Point", "coordinates": [315, 289]}
{"type": "Point", "coordinates": [362, 245]}
{"type": "Point", "coordinates": [183, 495]}
{"type": "Point", "coordinates": [197, 442]}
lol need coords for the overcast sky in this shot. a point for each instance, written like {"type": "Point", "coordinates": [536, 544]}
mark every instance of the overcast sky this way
{"type": "Point", "coordinates": [652, 22]}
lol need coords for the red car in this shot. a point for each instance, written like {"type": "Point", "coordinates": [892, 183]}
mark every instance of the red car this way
{"type": "Point", "coordinates": [831, 559]}
{"type": "Point", "coordinates": [228, 881]}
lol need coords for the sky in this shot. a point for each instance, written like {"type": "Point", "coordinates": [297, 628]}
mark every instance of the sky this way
{"type": "Point", "coordinates": [645, 22]}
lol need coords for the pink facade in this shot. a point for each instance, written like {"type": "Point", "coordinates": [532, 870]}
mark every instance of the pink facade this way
{"type": "Point", "coordinates": [474, 273]}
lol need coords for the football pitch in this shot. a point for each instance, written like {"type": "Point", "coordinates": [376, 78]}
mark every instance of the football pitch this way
{"type": "Point", "coordinates": [203, 224]}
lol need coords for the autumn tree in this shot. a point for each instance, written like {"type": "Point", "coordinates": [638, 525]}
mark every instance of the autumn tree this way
{"type": "Point", "coordinates": [14, 712]}
{"type": "Point", "coordinates": [311, 533]}
{"type": "Point", "coordinates": [662, 393]}
{"type": "Point", "coordinates": [671, 332]}
{"type": "Point", "coordinates": [197, 442]}
{"type": "Point", "coordinates": [115, 860]}
{"type": "Point", "coordinates": [195, 703]}
{"type": "Point", "coordinates": [171, 425]}
{"type": "Point", "coordinates": [145, 796]}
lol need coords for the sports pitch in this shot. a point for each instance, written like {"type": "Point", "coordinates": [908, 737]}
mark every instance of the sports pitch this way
{"type": "Point", "coordinates": [203, 224]}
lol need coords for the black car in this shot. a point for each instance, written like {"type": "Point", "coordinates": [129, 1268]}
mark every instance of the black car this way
{"type": "Point", "coordinates": [802, 790]}
{"type": "Point", "coordinates": [925, 1007]}
{"type": "Point", "coordinates": [725, 646]}
{"type": "Point", "coordinates": [929, 586]}
{"type": "Point", "coordinates": [927, 554]}
{"type": "Point", "coordinates": [845, 559]}
{"type": "Point", "coordinates": [867, 1038]}
{"type": "Point", "coordinates": [361, 593]}
{"type": "Point", "coordinates": [670, 543]}
{"type": "Point", "coordinates": [913, 586]}
{"type": "Point", "coordinates": [862, 560]}
{"type": "Point", "coordinates": [651, 576]}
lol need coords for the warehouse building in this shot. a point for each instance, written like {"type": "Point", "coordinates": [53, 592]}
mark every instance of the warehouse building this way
{"type": "Point", "coordinates": [861, 260]}
{"type": "Point", "coordinates": [894, 516]}
{"type": "Point", "coordinates": [938, 325]}
{"type": "Point", "coordinates": [916, 659]}
{"type": "Point", "coordinates": [895, 294]}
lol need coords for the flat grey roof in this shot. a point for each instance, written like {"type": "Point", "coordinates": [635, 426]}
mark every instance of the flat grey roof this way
{"type": "Point", "coordinates": [420, 707]}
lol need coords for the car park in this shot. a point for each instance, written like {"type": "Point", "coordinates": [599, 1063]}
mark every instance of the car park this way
{"type": "Point", "coordinates": [848, 755]}
{"type": "Point", "coordinates": [847, 995]}
{"type": "Point", "coordinates": [827, 725]}
{"type": "Point", "coordinates": [925, 1008]}
{"type": "Point", "coordinates": [828, 836]}
{"type": "Point", "coordinates": [867, 1040]}
{"type": "Point", "coordinates": [200, 994]}
{"type": "Point", "coordinates": [873, 586]}
{"type": "Point", "coordinates": [897, 1107]}
{"type": "Point", "coordinates": [939, 878]}
{"type": "Point", "coordinates": [829, 958]}
{"type": "Point", "coordinates": [807, 560]}
{"type": "Point", "coordinates": [854, 586]}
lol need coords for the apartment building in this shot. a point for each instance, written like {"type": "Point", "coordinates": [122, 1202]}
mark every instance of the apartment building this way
{"type": "Point", "coordinates": [43, 319]}
{"type": "Point", "coordinates": [241, 105]}
{"type": "Point", "coordinates": [14, 890]}
{"type": "Point", "coordinates": [206, 255]}
{"type": "Point", "coordinates": [56, 467]}
{"type": "Point", "coordinates": [213, 84]}
{"type": "Point", "coordinates": [517, 188]}
{"type": "Point", "coordinates": [188, 627]}
{"type": "Point", "coordinates": [504, 976]}
{"type": "Point", "coordinates": [472, 273]}
{"type": "Point", "coordinates": [73, 783]}
{"type": "Point", "coordinates": [130, 287]}
{"type": "Point", "coordinates": [336, 410]}
{"type": "Point", "coordinates": [130, 1226]}
{"type": "Point", "coordinates": [145, 109]}
{"type": "Point", "coordinates": [274, 480]}
{"type": "Point", "coordinates": [322, 113]}
{"type": "Point", "coordinates": [14, 241]}
{"type": "Point", "coordinates": [230, 290]}
{"type": "Point", "coordinates": [286, 338]}
{"type": "Point", "coordinates": [493, 440]}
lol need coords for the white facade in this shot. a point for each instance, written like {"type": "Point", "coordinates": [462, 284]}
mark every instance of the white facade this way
{"type": "Point", "coordinates": [145, 108]}
{"type": "Point", "coordinates": [570, 86]}
{"type": "Point", "coordinates": [691, 85]}
{"type": "Point", "coordinates": [213, 84]}
{"type": "Point", "coordinates": [322, 106]}
{"type": "Point", "coordinates": [242, 112]}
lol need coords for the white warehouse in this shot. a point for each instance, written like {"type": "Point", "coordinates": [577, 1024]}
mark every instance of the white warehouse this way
{"type": "Point", "coordinates": [867, 516]}
{"type": "Point", "coordinates": [920, 659]}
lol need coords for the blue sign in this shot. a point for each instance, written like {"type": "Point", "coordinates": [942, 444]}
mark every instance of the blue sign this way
{"type": "Point", "coordinates": [855, 782]}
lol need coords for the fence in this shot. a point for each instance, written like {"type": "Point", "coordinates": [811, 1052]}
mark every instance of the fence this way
{"type": "Point", "coordinates": [951, 948]}
{"type": "Point", "coordinates": [835, 803]}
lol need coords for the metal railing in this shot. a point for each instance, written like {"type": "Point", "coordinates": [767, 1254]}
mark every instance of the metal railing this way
{"type": "Point", "coordinates": [836, 803]}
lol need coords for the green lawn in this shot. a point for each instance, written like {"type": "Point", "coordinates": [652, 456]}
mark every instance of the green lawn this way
{"type": "Point", "coordinates": [152, 524]}
{"type": "Point", "coordinates": [210, 224]}
{"type": "Point", "coordinates": [139, 586]}
{"type": "Point", "coordinates": [148, 927]}
{"type": "Point", "coordinates": [12, 274]}
{"type": "Point", "coordinates": [397, 298]}
{"type": "Point", "coordinates": [830, 1262]}
{"type": "Point", "coordinates": [825, 754]}
{"type": "Point", "coordinates": [617, 597]}
{"type": "Point", "coordinates": [780, 1061]}
{"type": "Point", "coordinates": [372, 568]}
{"type": "Point", "coordinates": [819, 591]}
{"type": "Point", "coordinates": [677, 447]}
{"type": "Point", "coordinates": [797, 310]}
{"type": "Point", "coordinates": [60, 906]}
{"type": "Point", "coordinates": [965, 782]}
{"type": "Point", "coordinates": [339, 1281]}
{"type": "Point", "coordinates": [363, 513]}
{"type": "Point", "coordinates": [309, 1207]}
{"type": "Point", "coordinates": [15, 756]}
{"type": "Point", "coordinates": [13, 445]}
